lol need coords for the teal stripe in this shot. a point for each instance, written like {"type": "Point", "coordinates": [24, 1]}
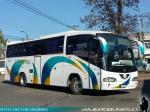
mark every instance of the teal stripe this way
{"type": "Point", "coordinates": [91, 74]}
{"type": "Point", "coordinates": [38, 109]}
{"type": "Point", "coordinates": [15, 69]}
{"type": "Point", "coordinates": [50, 63]}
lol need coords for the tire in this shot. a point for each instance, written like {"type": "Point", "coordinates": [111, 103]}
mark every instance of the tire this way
{"type": "Point", "coordinates": [23, 81]}
{"type": "Point", "coordinates": [76, 86]}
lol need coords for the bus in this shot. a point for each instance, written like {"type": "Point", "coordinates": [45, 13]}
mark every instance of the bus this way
{"type": "Point", "coordinates": [76, 59]}
{"type": "Point", "coordinates": [139, 53]}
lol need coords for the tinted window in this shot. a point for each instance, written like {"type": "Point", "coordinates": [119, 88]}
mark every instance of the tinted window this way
{"type": "Point", "coordinates": [120, 57]}
{"type": "Point", "coordinates": [12, 50]}
{"type": "Point", "coordinates": [147, 44]}
{"type": "Point", "coordinates": [78, 45]}
{"type": "Point", "coordinates": [85, 47]}
{"type": "Point", "coordinates": [38, 47]}
{"type": "Point", "coordinates": [95, 52]}
{"type": "Point", "coordinates": [24, 49]}
{"type": "Point", "coordinates": [148, 61]}
{"type": "Point", "coordinates": [55, 45]}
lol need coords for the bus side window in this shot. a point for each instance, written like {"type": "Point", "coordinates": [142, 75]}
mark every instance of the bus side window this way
{"type": "Point", "coordinates": [55, 45]}
{"type": "Point", "coordinates": [16, 48]}
{"type": "Point", "coordinates": [95, 53]}
{"type": "Point", "coordinates": [77, 45]}
{"type": "Point", "coordinates": [9, 52]}
{"type": "Point", "coordinates": [148, 61]}
{"type": "Point", "coordinates": [38, 47]}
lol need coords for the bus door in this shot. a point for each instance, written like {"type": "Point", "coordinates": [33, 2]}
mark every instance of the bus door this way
{"type": "Point", "coordinates": [37, 63]}
{"type": "Point", "coordinates": [94, 70]}
{"type": "Point", "coordinates": [95, 63]}
{"type": "Point", "coordinates": [103, 51]}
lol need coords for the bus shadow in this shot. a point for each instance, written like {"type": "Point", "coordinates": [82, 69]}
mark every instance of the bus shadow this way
{"type": "Point", "coordinates": [7, 82]}
{"type": "Point", "coordinates": [52, 88]}
{"type": "Point", "coordinates": [146, 89]}
{"type": "Point", "coordinates": [85, 92]}
{"type": "Point", "coordinates": [67, 91]}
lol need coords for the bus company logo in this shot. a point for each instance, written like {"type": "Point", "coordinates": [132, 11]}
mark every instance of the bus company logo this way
{"type": "Point", "coordinates": [124, 76]}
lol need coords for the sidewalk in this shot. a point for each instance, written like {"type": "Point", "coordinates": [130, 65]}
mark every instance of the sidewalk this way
{"type": "Point", "coordinates": [144, 76]}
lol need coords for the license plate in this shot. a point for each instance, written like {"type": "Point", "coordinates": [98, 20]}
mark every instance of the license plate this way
{"type": "Point", "coordinates": [123, 86]}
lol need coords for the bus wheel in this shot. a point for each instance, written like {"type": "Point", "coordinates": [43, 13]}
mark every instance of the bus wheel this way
{"type": "Point", "coordinates": [76, 86]}
{"type": "Point", "coordinates": [23, 81]}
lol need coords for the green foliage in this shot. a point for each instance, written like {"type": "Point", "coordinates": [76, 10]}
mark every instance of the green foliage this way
{"type": "Point", "coordinates": [3, 43]}
{"type": "Point", "coordinates": [111, 15]}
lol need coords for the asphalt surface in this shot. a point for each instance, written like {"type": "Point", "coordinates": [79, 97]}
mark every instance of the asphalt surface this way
{"type": "Point", "coordinates": [58, 96]}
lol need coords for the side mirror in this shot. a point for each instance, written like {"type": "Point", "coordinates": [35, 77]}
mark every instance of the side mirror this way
{"type": "Point", "coordinates": [138, 48]}
{"type": "Point", "coordinates": [104, 45]}
{"type": "Point", "coordinates": [141, 47]}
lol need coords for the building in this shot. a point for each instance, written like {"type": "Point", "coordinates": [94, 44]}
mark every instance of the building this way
{"type": "Point", "coordinates": [147, 50]}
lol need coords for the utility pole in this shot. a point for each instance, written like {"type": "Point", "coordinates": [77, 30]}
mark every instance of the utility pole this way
{"type": "Point", "coordinates": [119, 17]}
{"type": "Point", "coordinates": [142, 28]}
{"type": "Point", "coordinates": [25, 34]}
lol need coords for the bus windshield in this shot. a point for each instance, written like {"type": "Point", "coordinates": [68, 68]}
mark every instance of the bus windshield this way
{"type": "Point", "coordinates": [120, 56]}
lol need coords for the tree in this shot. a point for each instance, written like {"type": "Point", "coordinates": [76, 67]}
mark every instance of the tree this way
{"type": "Point", "coordinates": [110, 15]}
{"type": "Point", "coordinates": [3, 43]}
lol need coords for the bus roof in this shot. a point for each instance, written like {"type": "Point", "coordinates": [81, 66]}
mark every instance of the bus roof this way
{"type": "Point", "coordinates": [67, 33]}
{"type": "Point", "coordinates": [73, 32]}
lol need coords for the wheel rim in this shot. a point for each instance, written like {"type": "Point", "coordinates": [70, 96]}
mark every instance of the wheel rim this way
{"type": "Point", "coordinates": [77, 86]}
{"type": "Point", "coordinates": [21, 81]}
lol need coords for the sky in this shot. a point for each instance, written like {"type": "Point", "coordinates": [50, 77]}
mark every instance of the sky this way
{"type": "Point", "coordinates": [14, 19]}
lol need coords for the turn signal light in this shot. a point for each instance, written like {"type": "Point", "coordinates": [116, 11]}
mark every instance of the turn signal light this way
{"type": "Point", "coordinates": [135, 79]}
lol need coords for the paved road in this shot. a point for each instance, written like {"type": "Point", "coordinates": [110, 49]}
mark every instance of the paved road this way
{"type": "Point", "coordinates": [50, 96]}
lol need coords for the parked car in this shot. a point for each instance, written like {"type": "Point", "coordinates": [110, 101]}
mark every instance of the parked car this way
{"type": "Point", "coordinates": [2, 67]}
{"type": "Point", "coordinates": [148, 65]}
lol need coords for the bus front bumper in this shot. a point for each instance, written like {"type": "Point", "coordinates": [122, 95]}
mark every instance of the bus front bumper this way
{"type": "Point", "coordinates": [118, 81]}
{"type": "Point", "coordinates": [121, 86]}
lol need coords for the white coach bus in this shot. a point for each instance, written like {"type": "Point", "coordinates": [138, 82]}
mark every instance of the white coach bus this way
{"type": "Point", "coordinates": [76, 59]}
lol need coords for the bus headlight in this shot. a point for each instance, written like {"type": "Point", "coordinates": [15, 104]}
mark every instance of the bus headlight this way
{"type": "Point", "coordinates": [135, 79]}
{"type": "Point", "coordinates": [109, 79]}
